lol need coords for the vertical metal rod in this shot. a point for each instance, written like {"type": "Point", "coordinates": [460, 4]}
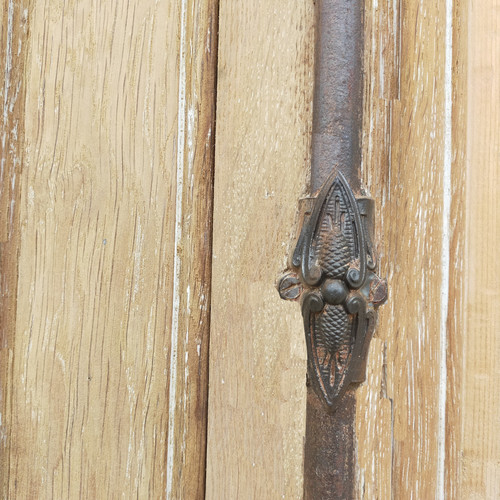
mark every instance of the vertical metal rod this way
{"type": "Point", "coordinates": [329, 461]}
{"type": "Point", "coordinates": [338, 91]}
{"type": "Point", "coordinates": [329, 454]}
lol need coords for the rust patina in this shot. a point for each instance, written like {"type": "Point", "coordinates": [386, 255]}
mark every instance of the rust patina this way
{"type": "Point", "coordinates": [333, 268]}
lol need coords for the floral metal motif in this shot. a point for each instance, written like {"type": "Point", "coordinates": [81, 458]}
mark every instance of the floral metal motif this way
{"type": "Point", "coordinates": [333, 277]}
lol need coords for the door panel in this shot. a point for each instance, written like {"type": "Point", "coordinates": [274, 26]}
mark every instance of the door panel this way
{"type": "Point", "coordinates": [405, 163]}
{"type": "Point", "coordinates": [114, 181]}
{"type": "Point", "coordinates": [479, 399]}
{"type": "Point", "coordinates": [257, 348]}
{"type": "Point", "coordinates": [425, 424]}
{"type": "Point", "coordinates": [108, 362]}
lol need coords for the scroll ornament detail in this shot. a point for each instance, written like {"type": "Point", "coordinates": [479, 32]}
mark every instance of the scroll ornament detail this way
{"type": "Point", "coordinates": [333, 276]}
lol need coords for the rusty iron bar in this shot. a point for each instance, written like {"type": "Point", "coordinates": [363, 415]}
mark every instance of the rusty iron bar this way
{"type": "Point", "coordinates": [329, 458]}
{"type": "Point", "coordinates": [329, 454]}
{"type": "Point", "coordinates": [338, 91]}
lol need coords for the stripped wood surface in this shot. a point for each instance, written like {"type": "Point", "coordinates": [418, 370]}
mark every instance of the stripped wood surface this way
{"type": "Point", "coordinates": [458, 278]}
{"type": "Point", "coordinates": [107, 150]}
{"type": "Point", "coordinates": [479, 364]}
{"type": "Point", "coordinates": [109, 365]}
{"type": "Point", "coordinates": [418, 429]}
{"type": "Point", "coordinates": [427, 424]}
{"type": "Point", "coordinates": [257, 347]}
{"type": "Point", "coordinates": [407, 169]}
{"type": "Point", "coordinates": [12, 98]}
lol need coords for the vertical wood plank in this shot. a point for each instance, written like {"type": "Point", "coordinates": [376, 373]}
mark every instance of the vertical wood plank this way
{"type": "Point", "coordinates": [374, 412]}
{"type": "Point", "coordinates": [385, 42]}
{"type": "Point", "coordinates": [404, 140]}
{"type": "Point", "coordinates": [480, 440]}
{"type": "Point", "coordinates": [110, 359]}
{"type": "Point", "coordinates": [257, 351]}
{"type": "Point", "coordinates": [458, 276]}
{"type": "Point", "coordinates": [415, 247]}
{"type": "Point", "coordinates": [190, 326]}
{"type": "Point", "coordinates": [13, 40]}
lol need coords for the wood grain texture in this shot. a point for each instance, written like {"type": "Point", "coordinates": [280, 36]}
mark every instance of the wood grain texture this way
{"type": "Point", "coordinates": [374, 412]}
{"type": "Point", "coordinates": [12, 97]}
{"type": "Point", "coordinates": [404, 157]}
{"type": "Point", "coordinates": [110, 359]}
{"type": "Point", "coordinates": [257, 348]}
{"type": "Point", "coordinates": [458, 278]}
{"type": "Point", "coordinates": [480, 398]}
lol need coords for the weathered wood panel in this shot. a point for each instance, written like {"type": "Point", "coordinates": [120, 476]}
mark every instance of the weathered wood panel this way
{"type": "Point", "coordinates": [108, 387]}
{"type": "Point", "coordinates": [374, 412]}
{"type": "Point", "coordinates": [426, 418]}
{"type": "Point", "coordinates": [257, 348]}
{"type": "Point", "coordinates": [14, 28]}
{"type": "Point", "coordinates": [440, 147]}
{"type": "Point", "coordinates": [479, 367]}
{"type": "Point", "coordinates": [458, 278]}
{"type": "Point", "coordinates": [406, 165]}
{"type": "Point", "coordinates": [109, 110]}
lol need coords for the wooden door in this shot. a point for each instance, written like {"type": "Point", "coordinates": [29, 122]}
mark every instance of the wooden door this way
{"type": "Point", "coordinates": [152, 159]}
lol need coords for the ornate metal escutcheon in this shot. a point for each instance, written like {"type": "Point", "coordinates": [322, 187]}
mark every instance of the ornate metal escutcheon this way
{"type": "Point", "coordinates": [333, 275]}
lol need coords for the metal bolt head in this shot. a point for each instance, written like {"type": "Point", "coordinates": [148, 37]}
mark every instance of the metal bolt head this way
{"type": "Point", "coordinates": [289, 286]}
{"type": "Point", "coordinates": [334, 292]}
{"type": "Point", "coordinates": [378, 291]}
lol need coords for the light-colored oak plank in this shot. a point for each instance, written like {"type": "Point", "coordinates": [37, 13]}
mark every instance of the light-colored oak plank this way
{"type": "Point", "coordinates": [374, 411]}
{"type": "Point", "coordinates": [257, 348]}
{"type": "Point", "coordinates": [434, 358]}
{"type": "Point", "coordinates": [110, 356]}
{"type": "Point", "coordinates": [404, 166]}
{"type": "Point", "coordinates": [479, 369]}
{"type": "Point", "coordinates": [458, 278]}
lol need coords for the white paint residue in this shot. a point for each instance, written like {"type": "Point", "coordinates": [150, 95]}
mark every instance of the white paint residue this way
{"type": "Point", "coordinates": [445, 251]}
{"type": "Point", "coordinates": [181, 133]}
{"type": "Point", "coordinates": [381, 68]}
{"type": "Point", "coordinates": [190, 140]}
{"type": "Point", "coordinates": [61, 360]}
{"type": "Point", "coordinates": [8, 59]}
{"type": "Point", "coordinates": [3, 432]}
{"type": "Point", "coordinates": [6, 84]}
{"type": "Point", "coordinates": [207, 45]}
{"type": "Point", "coordinates": [132, 399]}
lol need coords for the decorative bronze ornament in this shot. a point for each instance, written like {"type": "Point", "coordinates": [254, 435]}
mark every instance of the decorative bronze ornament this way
{"type": "Point", "coordinates": [333, 277]}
